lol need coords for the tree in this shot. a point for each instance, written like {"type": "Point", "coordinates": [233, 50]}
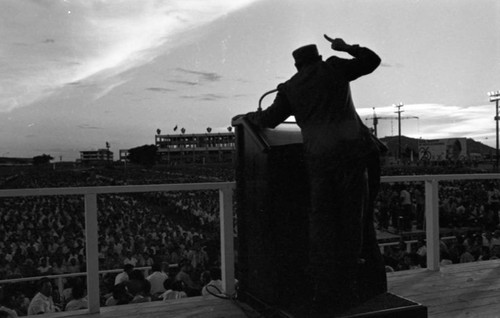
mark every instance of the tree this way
{"type": "Point", "coordinates": [143, 155]}
{"type": "Point", "coordinates": [42, 159]}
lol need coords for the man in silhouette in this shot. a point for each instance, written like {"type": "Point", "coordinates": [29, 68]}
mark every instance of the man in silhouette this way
{"type": "Point", "coordinates": [342, 160]}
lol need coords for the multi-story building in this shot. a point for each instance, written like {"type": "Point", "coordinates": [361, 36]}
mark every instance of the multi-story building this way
{"type": "Point", "coordinates": [196, 148]}
{"type": "Point", "coordinates": [96, 156]}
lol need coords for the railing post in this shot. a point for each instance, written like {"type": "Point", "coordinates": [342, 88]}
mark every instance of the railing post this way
{"type": "Point", "coordinates": [60, 286]}
{"type": "Point", "coordinates": [432, 223]}
{"type": "Point", "coordinates": [91, 243]}
{"type": "Point", "coordinates": [226, 239]}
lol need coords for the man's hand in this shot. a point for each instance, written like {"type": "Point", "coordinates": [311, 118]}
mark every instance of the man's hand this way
{"type": "Point", "coordinates": [337, 43]}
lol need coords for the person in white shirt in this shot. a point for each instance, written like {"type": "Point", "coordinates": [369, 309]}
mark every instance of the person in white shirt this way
{"type": "Point", "coordinates": [42, 303]}
{"type": "Point", "coordinates": [212, 282]}
{"type": "Point", "coordinates": [123, 276]}
{"type": "Point", "coordinates": [156, 279]}
{"type": "Point", "coordinates": [79, 300]}
{"type": "Point", "coordinates": [174, 290]}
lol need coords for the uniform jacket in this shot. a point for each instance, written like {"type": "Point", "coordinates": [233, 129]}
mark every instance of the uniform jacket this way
{"type": "Point", "coordinates": [319, 97]}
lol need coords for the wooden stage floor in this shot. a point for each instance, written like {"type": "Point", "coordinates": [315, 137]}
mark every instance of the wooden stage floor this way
{"type": "Point", "coordinates": [194, 307]}
{"type": "Point", "coordinates": [461, 290]}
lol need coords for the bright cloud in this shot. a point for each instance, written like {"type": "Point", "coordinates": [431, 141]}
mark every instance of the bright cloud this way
{"type": "Point", "coordinates": [48, 44]}
{"type": "Point", "coordinates": [438, 121]}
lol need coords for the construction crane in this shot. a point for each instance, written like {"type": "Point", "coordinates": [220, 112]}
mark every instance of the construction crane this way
{"type": "Point", "coordinates": [376, 118]}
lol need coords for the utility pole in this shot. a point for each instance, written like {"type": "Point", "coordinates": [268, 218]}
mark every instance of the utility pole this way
{"type": "Point", "coordinates": [375, 122]}
{"type": "Point", "coordinates": [376, 118]}
{"type": "Point", "coordinates": [399, 111]}
{"type": "Point", "coordinates": [494, 97]}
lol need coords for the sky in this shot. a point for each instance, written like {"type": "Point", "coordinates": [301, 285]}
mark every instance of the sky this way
{"type": "Point", "coordinates": [76, 74]}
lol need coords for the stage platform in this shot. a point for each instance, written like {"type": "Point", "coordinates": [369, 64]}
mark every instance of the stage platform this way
{"type": "Point", "coordinates": [193, 307]}
{"type": "Point", "coordinates": [460, 290]}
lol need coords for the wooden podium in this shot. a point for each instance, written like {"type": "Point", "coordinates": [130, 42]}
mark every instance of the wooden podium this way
{"type": "Point", "coordinates": [272, 205]}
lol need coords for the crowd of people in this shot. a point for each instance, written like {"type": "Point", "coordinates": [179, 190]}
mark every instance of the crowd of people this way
{"type": "Point", "coordinates": [469, 211]}
{"type": "Point", "coordinates": [462, 203]}
{"type": "Point", "coordinates": [163, 283]}
{"type": "Point", "coordinates": [43, 236]}
{"type": "Point", "coordinates": [471, 246]}
{"type": "Point", "coordinates": [176, 234]}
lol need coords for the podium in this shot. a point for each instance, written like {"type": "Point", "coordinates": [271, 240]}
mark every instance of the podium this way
{"type": "Point", "coordinates": [272, 206]}
{"type": "Point", "coordinates": [272, 198]}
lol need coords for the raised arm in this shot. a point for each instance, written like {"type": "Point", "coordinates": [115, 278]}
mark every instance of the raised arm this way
{"type": "Point", "coordinates": [364, 62]}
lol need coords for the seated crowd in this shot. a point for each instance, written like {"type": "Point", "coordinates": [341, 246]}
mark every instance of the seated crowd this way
{"type": "Point", "coordinates": [462, 203]}
{"type": "Point", "coordinates": [43, 236]}
{"type": "Point", "coordinates": [177, 233]}
{"type": "Point", "coordinates": [164, 283]}
{"type": "Point", "coordinates": [469, 247]}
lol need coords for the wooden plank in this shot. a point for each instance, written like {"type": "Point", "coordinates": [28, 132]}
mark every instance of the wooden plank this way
{"type": "Point", "coordinates": [432, 223]}
{"type": "Point", "coordinates": [450, 287]}
{"type": "Point", "coordinates": [441, 298]}
{"type": "Point", "coordinates": [446, 282]}
{"type": "Point", "coordinates": [92, 251]}
{"type": "Point", "coordinates": [209, 307]}
{"type": "Point", "coordinates": [462, 290]}
{"type": "Point", "coordinates": [227, 240]}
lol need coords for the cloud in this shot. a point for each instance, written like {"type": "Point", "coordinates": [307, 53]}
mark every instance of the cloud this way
{"type": "Point", "coordinates": [107, 86]}
{"type": "Point", "coordinates": [160, 89]}
{"type": "Point", "coordinates": [204, 76]}
{"type": "Point", "coordinates": [211, 97]}
{"type": "Point", "coordinates": [204, 97]}
{"type": "Point", "coordinates": [92, 40]}
{"type": "Point", "coordinates": [437, 121]}
{"type": "Point", "coordinates": [193, 78]}
{"type": "Point", "coordinates": [190, 83]}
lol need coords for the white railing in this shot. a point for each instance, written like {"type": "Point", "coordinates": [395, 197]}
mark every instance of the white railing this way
{"type": "Point", "coordinates": [59, 278]}
{"type": "Point", "coordinates": [408, 244]}
{"type": "Point", "coordinates": [91, 227]}
{"type": "Point", "coordinates": [226, 219]}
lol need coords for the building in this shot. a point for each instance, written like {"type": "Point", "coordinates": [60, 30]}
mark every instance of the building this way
{"type": "Point", "coordinates": [454, 149]}
{"type": "Point", "coordinates": [196, 148]}
{"type": "Point", "coordinates": [438, 150]}
{"type": "Point", "coordinates": [96, 156]}
{"type": "Point", "coordinates": [123, 155]}
{"type": "Point", "coordinates": [8, 161]}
